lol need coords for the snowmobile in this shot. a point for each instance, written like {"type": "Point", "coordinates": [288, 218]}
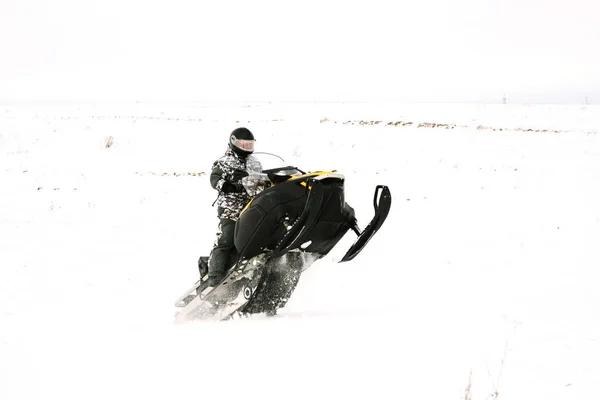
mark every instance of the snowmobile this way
{"type": "Point", "coordinates": [293, 219]}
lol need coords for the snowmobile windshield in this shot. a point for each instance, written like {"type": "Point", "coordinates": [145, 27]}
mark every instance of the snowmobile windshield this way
{"type": "Point", "coordinates": [273, 171]}
{"type": "Point", "coordinates": [256, 180]}
{"type": "Point", "coordinates": [243, 144]}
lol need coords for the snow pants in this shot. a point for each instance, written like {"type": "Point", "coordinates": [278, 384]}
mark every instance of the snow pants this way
{"type": "Point", "coordinates": [223, 254]}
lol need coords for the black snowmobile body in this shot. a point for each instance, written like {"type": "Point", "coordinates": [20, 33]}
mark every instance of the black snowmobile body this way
{"type": "Point", "coordinates": [280, 233]}
{"type": "Point", "coordinates": [277, 219]}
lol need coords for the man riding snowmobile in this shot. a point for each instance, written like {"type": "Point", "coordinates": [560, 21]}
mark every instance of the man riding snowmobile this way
{"type": "Point", "coordinates": [226, 175]}
{"type": "Point", "coordinates": [273, 225]}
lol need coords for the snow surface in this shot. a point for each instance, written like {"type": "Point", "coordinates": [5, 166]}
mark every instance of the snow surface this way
{"type": "Point", "coordinates": [481, 284]}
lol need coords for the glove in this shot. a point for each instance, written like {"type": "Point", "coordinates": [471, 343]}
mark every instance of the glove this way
{"type": "Point", "coordinates": [232, 187]}
{"type": "Point", "coordinates": [238, 174]}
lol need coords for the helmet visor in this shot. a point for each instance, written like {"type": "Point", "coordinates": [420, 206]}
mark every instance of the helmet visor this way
{"type": "Point", "coordinates": [243, 144]}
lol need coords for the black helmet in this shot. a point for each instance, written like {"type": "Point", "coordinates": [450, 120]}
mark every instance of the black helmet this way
{"type": "Point", "coordinates": [241, 141]}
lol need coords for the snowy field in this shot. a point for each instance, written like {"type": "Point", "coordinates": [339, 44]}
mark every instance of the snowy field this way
{"type": "Point", "coordinates": [482, 283]}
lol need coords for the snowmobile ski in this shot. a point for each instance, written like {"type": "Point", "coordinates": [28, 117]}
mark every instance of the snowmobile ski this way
{"type": "Point", "coordinates": [382, 208]}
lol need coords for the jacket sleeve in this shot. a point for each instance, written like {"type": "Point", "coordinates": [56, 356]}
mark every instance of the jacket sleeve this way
{"type": "Point", "coordinates": [217, 177]}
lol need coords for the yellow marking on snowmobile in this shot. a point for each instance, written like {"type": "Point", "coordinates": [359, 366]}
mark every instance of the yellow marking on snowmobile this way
{"type": "Point", "coordinates": [318, 173]}
{"type": "Point", "coordinates": [246, 206]}
{"type": "Point", "coordinates": [311, 174]}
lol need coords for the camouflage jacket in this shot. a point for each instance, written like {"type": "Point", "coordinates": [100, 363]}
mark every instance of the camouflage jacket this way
{"type": "Point", "coordinates": [231, 204]}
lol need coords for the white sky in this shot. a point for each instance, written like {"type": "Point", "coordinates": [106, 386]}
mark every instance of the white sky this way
{"type": "Point", "coordinates": [316, 50]}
